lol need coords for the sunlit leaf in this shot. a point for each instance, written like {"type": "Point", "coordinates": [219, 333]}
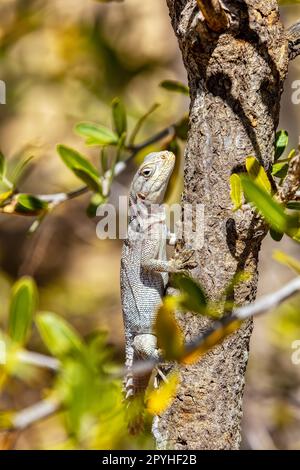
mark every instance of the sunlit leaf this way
{"type": "Point", "coordinates": [280, 169]}
{"type": "Point", "coordinates": [23, 303]}
{"type": "Point", "coordinates": [119, 116]}
{"type": "Point", "coordinates": [5, 196]}
{"type": "Point", "coordinates": [175, 85]}
{"type": "Point", "coordinates": [292, 153]}
{"type": "Point", "coordinates": [169, 335]}
{"type": "Point", "coordinates": [236, 191]}
{"type": "Point", "coordinates": [223, 330]}
{"type": "Point", "coordinates": [193, 297]}
{"type": "Point", "coordinates": [158, 400]}
{"type": "Point", "coordinates": [58, 335]}
{"type": "Point", "coordinates": [20, 169]}
{"type": "Point", "coordinates": [287, 260]}
{"type": "Point", "coordinates": [29, 204]}
{"type": "Point", "coordinates": [80, 166]}
{"type": "Point", "coordinates": [96, 134]}
{"type": "Point", "coordinates": [258, 174]}
{"type": "Point", "coordinates": [281, 142]}
{"type": "Point", "coordinates": [271, 210]}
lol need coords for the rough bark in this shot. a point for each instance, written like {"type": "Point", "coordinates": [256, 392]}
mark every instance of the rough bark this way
{"type": "Point", "coordinates": [236, 79]}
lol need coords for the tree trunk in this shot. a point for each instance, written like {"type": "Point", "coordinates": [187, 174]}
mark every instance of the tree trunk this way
{"type": "Point", "coordinates": [236, 74]}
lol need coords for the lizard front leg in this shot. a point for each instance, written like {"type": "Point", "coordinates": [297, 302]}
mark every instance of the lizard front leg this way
{"type": "Point", "coordinates": [181, 261]}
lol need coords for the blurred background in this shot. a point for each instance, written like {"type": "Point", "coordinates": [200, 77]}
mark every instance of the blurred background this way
{"type": "Point", "coordinates": [63, 61]}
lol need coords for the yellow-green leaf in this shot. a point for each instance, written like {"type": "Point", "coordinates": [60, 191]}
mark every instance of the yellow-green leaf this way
{"type": "Point", "coordinates": [23, 303]}
{"type": "Point", "coordinates": [270, 209]}
{"type": "Point", "coordinates": [281, 142]}
{"type": "Point", "coordinates": [158, 400]}
{"type": "Point", "coordinates": [194, 353]}
{"type": "Point", "coordinates": [287, 260]}
{"type": "Point", "coordinates": [168, 332]}
{"type": "Point", "coordinates": [80, 166]}
{"type": "Point", "coordinates": [119, 116]}
{"type": "Point", "coordinates": [29, 204]}
{"type": "Point", "coordinates": [175, 85]}
{"type": "Point", "coordinates": [96, 134]}
{"type": "Point", "coordinates": [193, 296]}
{"type": "Point", "coordinates": [58, 335]}
{"type": "Point", "coordinates": [258, 174]}
{"type": "Point", "coordinates": [236, 191]}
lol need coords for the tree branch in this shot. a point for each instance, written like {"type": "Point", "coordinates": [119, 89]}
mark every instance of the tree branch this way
{"type": "Point", "coordinates": [293, 37]}
{"type": "Point", "coordinates": [58, 198]}
{"type": "Point", "coordinates": [214, 15]}
{"type": "Point", "coordinates": [227, 325]}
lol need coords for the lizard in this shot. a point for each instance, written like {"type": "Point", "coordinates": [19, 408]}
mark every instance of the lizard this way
{"type": "Point", "coordinates": [144, 264]}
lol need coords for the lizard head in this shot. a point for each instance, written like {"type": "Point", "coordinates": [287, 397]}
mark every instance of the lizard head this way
{"type": "Point", "coordinates": [151, 180]}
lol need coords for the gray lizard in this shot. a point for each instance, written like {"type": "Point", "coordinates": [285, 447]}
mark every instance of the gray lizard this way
{"type": "Point", "coordinates": [144, 264]}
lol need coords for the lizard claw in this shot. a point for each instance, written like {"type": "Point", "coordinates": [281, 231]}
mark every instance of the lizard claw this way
{"type": "Point", "coordinates": [185, 260]}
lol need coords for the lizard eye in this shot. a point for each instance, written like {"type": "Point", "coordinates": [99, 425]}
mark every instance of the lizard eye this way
{"type": "Point", "coordinates": [146, 172]}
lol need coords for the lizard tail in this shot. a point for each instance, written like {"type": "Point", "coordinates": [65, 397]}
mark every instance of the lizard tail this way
{"type": "Point", "coordinates": [136, 383]}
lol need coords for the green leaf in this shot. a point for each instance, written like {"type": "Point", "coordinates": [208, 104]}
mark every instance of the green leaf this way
{"type": "Point", "coordinates": [236, 191]}
{"type": "Point", "coordinates": [96, 134]}
{"type": "Point", "coordinates": [2, 165]}
{"type": "Point", "coordinates": [258, 174]}
{"type": "Point", "coordinates": [281, 142]}
{"type": "Point", "coordinates": [119, 116]}
{"type": "Point", "coordinates": [140, 123]}
{"type": "Point", "coordinates": [175, 85]}
{"type": "Point", "coordinates": [287, 260]}
{"type": "Point", "coordinates": [194, 297]}
{"type": "Point", "coordinates": [276, 236]}
{"type": "Point", "coordinates": [23, 304]}
{"type": "Point", "coordinates": [96, 201]}
{"type": "Point", "coordinates": [29, 204]}
{"type": "Point", "coordinates": [80, 166]}
{"type": "Point", "coordinates": [294, 205]}
{"type": "Point", "coordinates": [182, 128]}
{"type": "Point", "coordinates": [169, 335]}
{"type": "Point", "coordinates": [269, 208]}
{"type": "Point", "coordinates": [291, 154]}
{"type": "Point", "coordinates": [59, 336]}
{"type": "Point", "coordinates": [280, 169]}
{"type": "Point", "coordinates": [19, 171]}
{"type": "Point", "coordinates": [5, 196]}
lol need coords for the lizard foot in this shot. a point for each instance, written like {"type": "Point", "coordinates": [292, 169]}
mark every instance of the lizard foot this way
{"type": "Point", "coordinates": [185, 260]}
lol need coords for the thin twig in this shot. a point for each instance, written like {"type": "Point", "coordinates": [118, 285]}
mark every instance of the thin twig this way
{"type": "Point", "coordinates": [39, 360]}
{"type": "Point", "coordinates": [36, 412]}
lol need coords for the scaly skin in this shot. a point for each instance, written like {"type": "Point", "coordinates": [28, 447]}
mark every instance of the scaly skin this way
{"type": "Point", "coordinates": [144, 264]}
